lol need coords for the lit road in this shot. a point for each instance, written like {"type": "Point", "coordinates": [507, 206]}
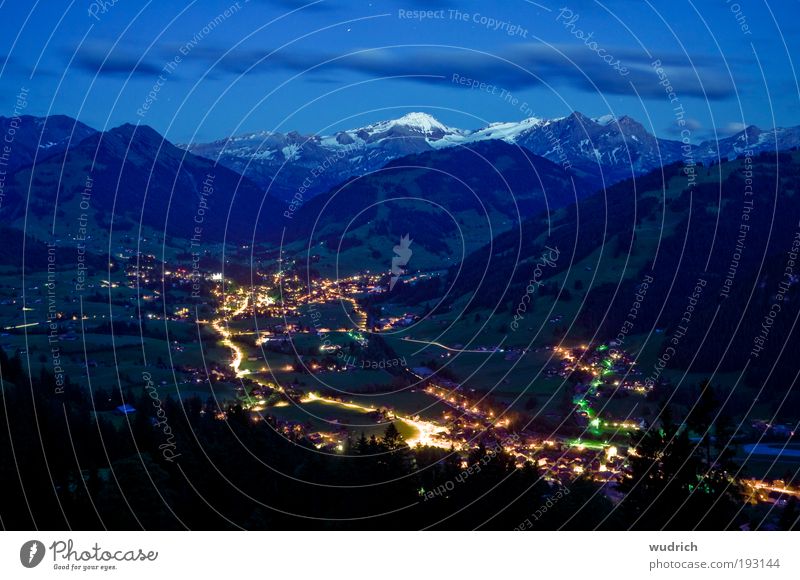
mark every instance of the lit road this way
{"type": "Point", "coordinates": [445, 347]}
{"type": "Point", "coordinates": [428, 432]}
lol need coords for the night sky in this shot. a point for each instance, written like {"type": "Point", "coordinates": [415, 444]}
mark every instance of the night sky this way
{"type": "Point", "coordinates": [282, 65]}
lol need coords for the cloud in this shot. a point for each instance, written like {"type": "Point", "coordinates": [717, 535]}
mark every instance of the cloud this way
{"type": "Point", "coordinates": [732, 128]}
{"type": "Point", "coordinates": [514, 67]}
{"type": "Point", "coordinates": [699, 132]}
{"type": "Point", "coordinates": [95, 60]}
{"type": "Point", "coordinates": [693, 125]}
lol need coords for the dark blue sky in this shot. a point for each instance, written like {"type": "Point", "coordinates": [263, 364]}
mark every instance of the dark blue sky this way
{"type": "Point", "coordinates": [337, 64]}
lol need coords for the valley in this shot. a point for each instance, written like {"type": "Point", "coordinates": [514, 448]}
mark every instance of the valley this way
{"type": "Point", "coordinates": [446, 307]}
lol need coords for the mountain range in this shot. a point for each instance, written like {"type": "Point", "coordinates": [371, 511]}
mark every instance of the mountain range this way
{"type": "Point", "coordinates": [126, 176]}
{"type": "Point", "coordinates": [32, 138]}
{"type": "Point", "coordinates": [480, 207]}
{"type": "Point", "coordinates": [607, 149]}
{"type": "Point", "coordinates": [139, 175]}
{"type": "Point", "coordinates": [451, 201]}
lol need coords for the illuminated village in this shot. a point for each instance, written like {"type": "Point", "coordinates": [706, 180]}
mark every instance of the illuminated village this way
{"type": "Point", "coordinates": [599, 450]}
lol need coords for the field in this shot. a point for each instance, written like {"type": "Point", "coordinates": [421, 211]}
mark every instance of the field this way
{"type": "Point", "coordinates": [785, 464]}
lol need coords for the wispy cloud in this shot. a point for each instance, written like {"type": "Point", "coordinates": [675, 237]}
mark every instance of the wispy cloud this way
{"type": "Point", "coordinates": [512, 67]}
{"type": "Point", "coordinates": [96, 60]}
{"type": "Point", "coordinates": [519, 66]}
{"type": "Point", "coordinates": [732, 128]}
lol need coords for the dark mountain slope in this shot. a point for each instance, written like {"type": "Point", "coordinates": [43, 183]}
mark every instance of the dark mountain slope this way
{"type": "Point", "coordinates": [48, 136]}
{"type": "Point", "coordinates": [135, 173]}
{"type": "Point", "coordinates": [449, 201]}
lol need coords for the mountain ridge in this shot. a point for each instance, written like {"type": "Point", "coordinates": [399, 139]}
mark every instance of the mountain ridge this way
{"type": "Point", "coordinates": [608, 149]}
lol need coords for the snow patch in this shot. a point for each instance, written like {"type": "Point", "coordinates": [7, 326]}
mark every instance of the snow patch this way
{"type": "Point", "coordinates": [291, 152]}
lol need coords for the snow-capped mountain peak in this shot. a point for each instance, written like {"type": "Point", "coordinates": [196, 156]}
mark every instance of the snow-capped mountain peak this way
{"type": "Point", "coordinates": [612, 147]}
{"type": "Point", "coordinates": [411, 124]}
{"type": "Point", "coordinates": [422, 121]}
{"type": "Point", "coordinates": [508, 132]}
